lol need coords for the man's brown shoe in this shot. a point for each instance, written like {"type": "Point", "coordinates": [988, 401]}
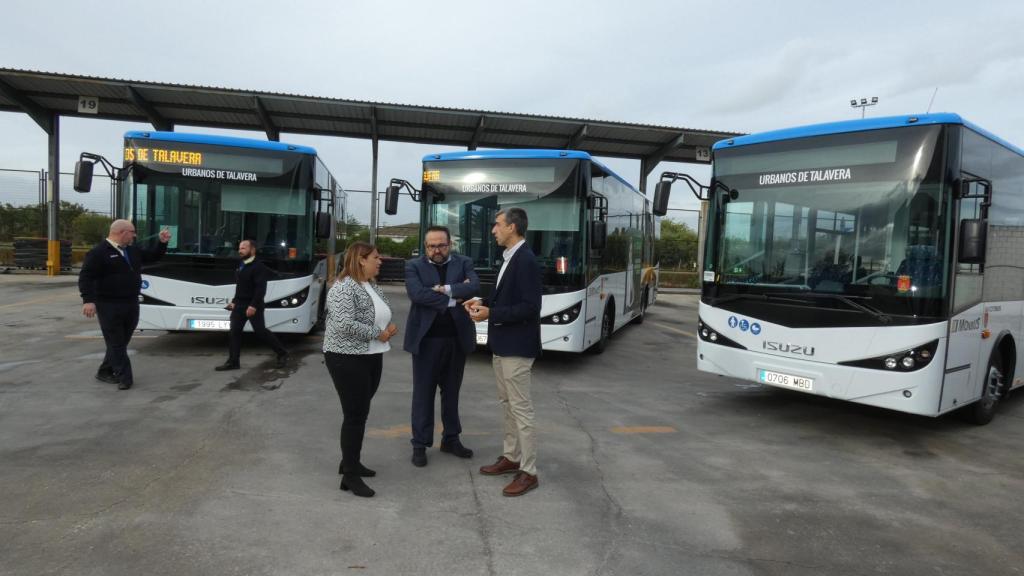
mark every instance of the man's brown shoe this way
{"type": "Point", "coordinates": [521, 485]}
{"type": "Point", "coordinates": [502, 466]}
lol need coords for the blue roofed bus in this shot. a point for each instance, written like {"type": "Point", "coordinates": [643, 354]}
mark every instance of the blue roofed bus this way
{"type": "Point", "coordinates": [212, 192]}
{"type": "Point", "coordinates": [592, 234]}
{"type": "Point", "coordinates": [877, 261]}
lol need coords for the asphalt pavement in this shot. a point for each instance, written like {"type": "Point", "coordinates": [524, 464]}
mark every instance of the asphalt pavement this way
{"type": "Point", "coordinates": [646, 466]}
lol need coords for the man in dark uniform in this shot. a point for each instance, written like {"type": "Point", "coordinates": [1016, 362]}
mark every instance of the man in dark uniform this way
{"type": "Point", "coordinates": [110, 280]}
{"type": "Point", "coordinates": [247, 306]}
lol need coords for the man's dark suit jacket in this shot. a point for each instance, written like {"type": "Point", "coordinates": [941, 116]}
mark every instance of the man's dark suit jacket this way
{"type": "Point", "coordinates": [513, 327]}
{"type": "Point", "coordinates": [420, 277]}
{"type": "Point", "coordinates": [251, 284]}
{"type": "Point", "coordinates": [107, 276]}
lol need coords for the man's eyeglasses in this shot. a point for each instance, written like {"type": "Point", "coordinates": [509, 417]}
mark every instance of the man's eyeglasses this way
{"type": "Point", "coordinates": [436, 246]}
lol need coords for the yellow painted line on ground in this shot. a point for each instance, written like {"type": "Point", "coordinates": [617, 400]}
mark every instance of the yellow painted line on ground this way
{"type": "Point", "coordinates": [38, 300]}
{"type": "Point", "coordinates": [674, 329]}
{"type": "Point", "coordinates": [644, 430]}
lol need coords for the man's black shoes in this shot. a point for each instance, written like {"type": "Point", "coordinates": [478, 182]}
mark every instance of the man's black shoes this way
{"type": "Point", "coordinates": [107, 377]}
{"type": "Point", "coordinates": [282, 360]}
{"type": "Point", "coordinates": [123, 385]}
{"type": "Point", "coordinates": [229, 365]}
{"type": "Point", "coordinates": [456, 448]}
{"type": "Point", "coordinates": [419, 457]}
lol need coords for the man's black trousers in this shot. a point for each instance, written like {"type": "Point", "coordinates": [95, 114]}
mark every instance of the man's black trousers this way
{"type": "Point", "coordinates": [439, 364]}
{"type": "Point", "coordinates": [259, 327]}
{"type": "Point", "coordinates": [117, 321]}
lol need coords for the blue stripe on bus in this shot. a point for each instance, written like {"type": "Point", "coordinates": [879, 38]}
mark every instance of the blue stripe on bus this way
{"type": "Point", "coordinates": [858, 126]}
{"type": "Point", "coordinates": [523, 154]}
{"type": "Point", "coordinates": [505, 154]}
{"type": "Point", "coordinates": [219, 141]}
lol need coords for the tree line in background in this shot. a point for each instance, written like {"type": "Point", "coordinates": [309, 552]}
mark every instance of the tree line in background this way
{"type": "Point", "coordinates": [76, 223]}
{"type": "Point", "coordinates": [676, 249]}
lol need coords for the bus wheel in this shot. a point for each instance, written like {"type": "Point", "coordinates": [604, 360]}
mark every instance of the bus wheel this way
{"type": "Point", "coordinates": [643, 309]}
{"type": "Point", "coordinates": [606, 330]}
{"type": "Point", "coordinates": [982, 411]}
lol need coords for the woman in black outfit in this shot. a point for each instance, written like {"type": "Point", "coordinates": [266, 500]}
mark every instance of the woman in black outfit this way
{"type": "Point", "coordinates": [358, 328]}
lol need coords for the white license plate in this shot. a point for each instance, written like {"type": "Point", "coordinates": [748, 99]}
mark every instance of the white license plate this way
{"type": "Point", "coordinates": [481, 339]}
{"type": "Point", "coordinates": [209, 324]}
{"type": "Point", "coordinates": [787, 380]}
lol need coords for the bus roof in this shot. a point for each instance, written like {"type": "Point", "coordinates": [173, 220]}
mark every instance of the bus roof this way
{"type": "Point", "coordinates": [220, 141]}
{"type": "Point", "coordinates": [859, 126]}
{"type": "Point", "coordinates": [523, 153]}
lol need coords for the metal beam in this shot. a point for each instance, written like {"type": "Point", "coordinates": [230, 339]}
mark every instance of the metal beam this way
{"type": "Point", "coordinates": [476, 134]}
{"type": "Point", "coordinates": [273, 133]}
{"type": "Point", "coordinates": [154, 117]}
{"type": "Point", "coordinates": [373, 184]}
{"type": "Point", "coordinates": [35, 111]}
{"type": "Point", "coordinates": [53, 264]}
{"type": "Point", "coordinates": [577, 138]}
{"type": "Point", "coordinates": [652, 161]}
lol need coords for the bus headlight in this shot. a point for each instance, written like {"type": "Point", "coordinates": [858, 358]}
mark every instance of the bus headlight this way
{"type": "Point", "coordinates": [907, 360]}
{"type": "Point", "coordinates": [566, 316]}
{"type": "Point", "coordinates": [709, 334]}
{"type": "Point", "coordinates": [291, 300]}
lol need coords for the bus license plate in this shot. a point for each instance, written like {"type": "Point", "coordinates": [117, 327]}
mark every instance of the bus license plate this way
{"type": "Point", "coordinates": [787, 380]}
{"type": "Point", "coordinates": [481, 339]}
{"type": "Point", "coordinates": [209, 324]}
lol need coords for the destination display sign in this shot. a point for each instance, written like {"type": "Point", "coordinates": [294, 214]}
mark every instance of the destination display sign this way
{"type": "Point", "coordinates": [207, 162]}
{"type": "Point", "coordinates": [498, 177]}
{"type": "Point", "coordinates": [801, 176]}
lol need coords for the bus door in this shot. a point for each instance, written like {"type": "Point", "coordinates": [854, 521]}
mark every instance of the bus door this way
{"type": "Point", "coordinates": [595, 299]}
{"type": "Point", "coordinates": [964, 365]}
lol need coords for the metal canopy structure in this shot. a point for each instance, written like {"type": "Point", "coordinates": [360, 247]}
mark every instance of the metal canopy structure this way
{"type": "Point", "coordinates": [47, 96]}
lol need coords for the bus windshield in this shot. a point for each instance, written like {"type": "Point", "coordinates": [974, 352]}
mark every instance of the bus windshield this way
{"type": "Point", "coordinates": [210, 197]}
{"type": "Point", "coordinates": [465, 196]}
{"type": "Point", "coordinates": [848, 220]}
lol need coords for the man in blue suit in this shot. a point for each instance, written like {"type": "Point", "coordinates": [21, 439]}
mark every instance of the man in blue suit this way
{"type": "Point", "coordinates": [439, 335]}
{"type": "Point", "coordinates": [513, 333]}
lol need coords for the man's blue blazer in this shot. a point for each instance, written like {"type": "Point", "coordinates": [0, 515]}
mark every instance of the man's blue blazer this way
{"type": "Point", "coordinates": [420, 277]}
{"type": "Point", "coordinates": [513, 328]}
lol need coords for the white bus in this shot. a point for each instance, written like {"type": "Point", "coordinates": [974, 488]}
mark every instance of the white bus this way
{"type": "Point", "coordinates": [592, 233]}
{"type": "Point", "coordinates": [212, 192]}
{"type": "Point", "coordinates": [878, 261]}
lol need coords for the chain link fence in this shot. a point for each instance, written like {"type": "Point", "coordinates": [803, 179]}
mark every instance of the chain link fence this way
{"type": "Point", "coordinates": [24, 212]}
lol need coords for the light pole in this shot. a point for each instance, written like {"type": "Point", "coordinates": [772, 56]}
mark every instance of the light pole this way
{"type": "Point", "coordinates": [863, 104]}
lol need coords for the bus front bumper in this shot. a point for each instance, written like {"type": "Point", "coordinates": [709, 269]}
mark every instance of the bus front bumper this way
{"type": "Point", "coordinates": [196, 319]}
{"type": "Point", "coordinates": [916, 392]}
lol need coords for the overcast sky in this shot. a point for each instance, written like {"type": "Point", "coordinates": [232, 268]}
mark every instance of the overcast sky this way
{"type": "Point", "coordinates": [742, 66]}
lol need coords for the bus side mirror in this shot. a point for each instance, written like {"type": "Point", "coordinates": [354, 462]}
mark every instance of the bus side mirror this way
{"type": "Point", "coordinates": [83, 176]}
{"type": "Point", "coordinates": [598, 234]}
{"type": "Point", "coordinates": [391, 201]}
{"type": "Point", "coordinates": [972, 241]}
{"type": "Point", "coordinates": [661, 193]}
{"type": "Point", "coordinates": [323, 225]}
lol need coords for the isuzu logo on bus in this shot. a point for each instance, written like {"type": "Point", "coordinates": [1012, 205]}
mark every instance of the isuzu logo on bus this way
{"type": "Point", "coordinates": [788, 348]}
{"type": "Point", "coordinates": [212, 300]}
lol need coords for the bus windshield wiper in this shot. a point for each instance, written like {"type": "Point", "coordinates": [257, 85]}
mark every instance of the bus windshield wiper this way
{"type": "Point", "coordinates": [803, 297]}
{"type": "Point", "coordinates": [852, 303]}
{"type": "Point", "coordinates": [761, 297]}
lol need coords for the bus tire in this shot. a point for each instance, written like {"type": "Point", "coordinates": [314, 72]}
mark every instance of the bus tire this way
{"type": "Point", "coordinates": [607, 324]}
{"type": "Point", "coordinates": [643, 308]}
{"type": "Point", "coordinates": [992, 391]}
{"type": "Point", "coordinates": [321, 313]}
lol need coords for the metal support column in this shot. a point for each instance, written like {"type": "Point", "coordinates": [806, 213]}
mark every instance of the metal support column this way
{"type": "Point", "coordinates": [53, 197]}
{"type": "Point", "coordinates": [373, 196]}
